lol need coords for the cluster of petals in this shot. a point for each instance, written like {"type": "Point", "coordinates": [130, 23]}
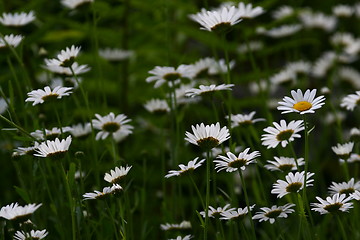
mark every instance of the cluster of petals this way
{"type": "Point", "coordinates": [14, 210]}
{"type": "Point", "coordinates": [335, 203]}
{"type": "Point", "coordinates": [191, 166]}
{"type": "Point", "coordinates": [39, 96]}
{"type": "Point", "coordinates": [17, 19]}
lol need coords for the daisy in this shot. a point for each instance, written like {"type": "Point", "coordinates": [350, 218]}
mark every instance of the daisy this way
{"type": "Point", "coordinates": [323, 64]}
{"type": "Point", "coordinates": [293, 184]}
{"type": "Point", "coordinates": [115, 188]}
{"type": "Point", "coordinates": [40, 96]}
{"type": "Point", "coordinates": [208, 136]}
{"type": "Point", "coordinates": [185, 169]}
{"type": "Point", "coordinates": [170, 75]}
{"type": "Point", "coordinates": [343, 150]}
{"type": "Point", "coordinates": [354, 157]}
{"type": "Point", "coordinates": [247, 10]}
{"type": "Point", "coordinates": [299, 67]}
{"type": "Point", "coordinates": [351, 101]}
{"type": "Point", "coordinates": [300, 103]}
{"type": "Point", "coordinates": [65, 58]}
{"type": "Point", "coordinates": [72, 4]}
{"type": "Point", "coordinates": [216, 212]}
{"type": "Point", "coordinates": [223, 150]}
{"type": "Point", "coordinates": [3, 105]}
{"type": "Point", "coordinates": [251, 46]}
{"type": "Point", "coordinates": [283, 31]}
{"type": "Point", "coordinates": [282, 133]}
{"type": "Point", "coordinates": [219, 20]}
{"type": "Point", "coordinates": [355, 134]}
{"type": "Point", "coordinates": [38, 234]}
{"type": "Point", "coordinates": [318, 20]}
{"type": "Point", "coordinates": [283, 77]}
{"type": "Point", "coordinates": [344, 187]}
{"type": "Point", "coordinates": [187, 237]}
{"type": "Point", "coordinates": [175, 226]}
{"type": "Point", "coordinates": [115, 176]}
{"type": "Point", "coordinates": [270, 214]}
{"type": "Point", "coordinates": [342, 10]}
{"type": "Point", "coordinates": [77, 69]}
{"type": "Point", "coordinates": [80, 130]}
{"type": "Point", "coordinates": [283, 12]}
{"type": "Point", "coordinates": [50, 134]}
{"type": "Point", "coordinates": [22, 151]}
{"type": "Point", "coordinates": [202, 90]}
{"type": "Point", "coordinates": [334, 204]}
{"type": "Point", "coordinates": [111, 124]}
{"type": "Point", "coordinates": [244, 119]}
{"type": "Point", "coordinates": [221, 67]}
{"type": "Point", "coordinates": [355, 195]}
{"type": "Point", "coordinates": [115, 55]}
{"type": "Point", "coordinates": [237, 214]}
{"type": "Point", "coordinates": [53, 149]}
{"type": "Point", "coordinates": [16, 212]}
{"type": "Point", "coordinates": [351, 75]}
{"type": "Point", "coordinates": [157, 106]}
{"type": "Point", "coordinates": [200, 69]}
{"type": "Point", "coordinates": [17, 19]}
{"type": "Point", "coordinates": [284, 164]}
{"type": "Point", "coordinates": [10, 40]}
{"type": "Point", "coordinates": [233, 163]}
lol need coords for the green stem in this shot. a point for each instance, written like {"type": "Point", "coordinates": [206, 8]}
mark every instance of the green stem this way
{"type": "Point", "coordinates": [197, 191]}
{"type": "Point", "coordinates": [294, 155]}
{"type": "Point", "coordinates": [207, 199]}
{"type": "Point", "coordinates": [342, 229]}
{"type": "Point", "coordinates": [18, 127]}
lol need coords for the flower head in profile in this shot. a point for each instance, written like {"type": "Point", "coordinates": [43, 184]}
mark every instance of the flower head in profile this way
{"type": "Point", "coordinates": [10, 40]}
{"type": "Point", "coordinates": [209, 136]}
{"type": "Point", "coordinates": [218, 20]}
{"type": "Point", "coordinates": [248, 11]}
{"type": "Point", "coordinates": [157, 106]}
{"type": "Point", "coordinates": [17, 19]}
{"type": "Point", "coordinates": [271, 214]}
{"type": "Point", "coordinates": [235, 213]}
{"type": "Point", "coordinates": [244, 119]}
{"type": "Point", "coordinates": [343, 150]}
{"type": "Point", "coordinates": [111, 125]}
{"type": "Point", "coordinates": [115, 55]}
{"type": "Point", "coordinates": [116, 175]}
{"type": "Point", "coordinates": [202, 90]}
{"type": "Point", "coordinates": [72, 4]}
{"type": "Point", "coordinates": [282, 133]}
{"type": "Point", "coordinates": [65, 58]}
{"type": "Point", "coordinates": [170, 75]}
{"type": "Point", "coordinates": [293, 184]}
{"type": "Point", "coordinates": [18, 213]}
{"type": "Point", "coordinates": [334, 204]}
{"type": "Point", "coordinates": [185, 169]}
{"type": "Point", "coordinates": [107, 191]}
{"type": "Point", "coordinates": [80, 130]}
{"type": "Point", "coordinates": [345, 187]}
{"type": "Point", "coordinates": [40, 96]}
{"type": "Point", "coordinates": [284, 164]}
{"type": "Point", "coordinates": [355, 134]}
{"type": "Point", "coordinates": [53, 149]}
{"type": "Point", "coordinates": [301, 103]}
{"type": "Point", "coordinates": [22, 151]}
{"type": "Point", "coordinates": [351, 101]}
{"type": "Point", "coordinates": [50, 134]}
{"type": "Point", "coordinates": [355, 195]}
{"type": "Point", "coordinates": [66, 71]}
{"type": "Point", "coordinates": [175, 226]}
{"type": "Point", "coordinates": [216, 212]}
{"type": "Point", "coordinates": [33, 234]}
{"type": "Point", "coordinates": [187, 237]}
{"type": "Point", "coordinates": [233, 163]}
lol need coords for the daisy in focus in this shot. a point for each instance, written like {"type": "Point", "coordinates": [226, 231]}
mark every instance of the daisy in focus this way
{"type": "Point", "coordinates": [344, 187]}
{"type": "Point", "coordinates": [244, 119]}
{"type": "Point", "coordinates": [17, 19]}
{"type": "Point", "coordinates": [65, 58]}
{"type": "Point", "coordinates": [284, 164]}
{"type": "Point", "coordinates": [301, 103]}
{"type": "Point", "coordinates": [334, 204]}
{"type": "Point", "coordinates": [40, 96]}
{"type": "Point", "coordinates": [18, 213]}
{"type": "Point", "coordinates": [111, 125]}
{"type": "Point", "coordinates": [216, 212]}
{"type": "Point", "coordinates": [233, 163]}
{"type": "Point", "coordinates": [235, 214]}
{"type": "Point", "coordinates": [107, 191]}
{"type": "Point", "coordinates": [116, 175]}
{"type": "Point", "coordinates": [293, 184]}
{"type": "Point", "coordinates": [38, 234]}
{"type": "Point", "coordinates": [185, 169]}
{"type": "Point", "coordinates": [351, 101]}
{"type": "Point", "coordinates": [202, 90]}
{"type": "Point", "coordinates": [53, 149]}
{"type": "Point", "coordinates": [271, 214]}
{"type": "Point", "coordinates": [282, 133]}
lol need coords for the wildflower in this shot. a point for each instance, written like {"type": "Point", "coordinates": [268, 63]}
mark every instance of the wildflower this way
{"type": "Point", "coordinates": [72, 4]}
{"type": "Point", "coordinates": [187, 237]}
{"type": "Point", "coordinates": [343, 10]}
{"type": "Point", "coordinates": [66, 57]}
{"type": "Point", "coordinates": [157, 106]}
{"type": "Point", "coordinates": [76, 69]}
{"type": "Point", "coordinates": [107, 191]}
{"type": "Point", "coordinates": [208, 136]}
{"type": "Point", "coordinates": [115, 55]}
{"type": "Point", "coordinates": [351, 75]}
{"type": "Point", "coordinates": [16, 212]}
{"type": "Point", "coordinates": [355, 134]}
{"type": "Point", "coordinates": [283, 31]}
{"type": "Point", "coordinates": [111, 124]}
{"type": "Point", "coordinates": [115, 176]}
{"type": "Point", "coordinates": [10, 40]}
{"type": "Point", "coordinates": [299, 67]}
{"type": "Point", "coordinates": [22, 151]}
{"type": "Point", "coordinates": [175, 226]}
{"type": "Point", "coordinates": [218, 20]}
{"type": "Point", "coordinates": [344, 187]}
{"type": "Point", "coordinates": [38, 234]}
{"type": "Point", "coordinates": [300, 103]}
{"type": "Point", "coordinates": [355, 195]}
{"type": "Point", "coordinates": [233, 163]}
{"type": "Point", "coordinates": [294, 183]}
{"type": "Point", "coordinates": [221, 67]}
{"type": "Point", "coordinates": [50, 134]}
{"type": "Point", "coordinates": [250, 47]}
{"type": "Point", "coordinates": [80, 130]}
{"type": "Point", "coordinates": [237, 214]}
{"type": "Point", "coordinates": [17, 19]}
{"type": "Point", "coordinates": [354, 157]}
{"type": "Point", "coordinates": [282, 77]}
{"type": "Point", "coordinates": [202, 90]}
{"type": "Point", "coordinates": [270, 214]}
{"type": "Point", "coordinates": [323, 64]}
{"type": "Point", "coordinates": [350, 101]}
{"type": "Point", "coordinates": [216, 212]}
{"type": "Point", "coordinates": [244, 119]}
{"type": "Point", "coordinates": [334, 204]}
{"type": "Point", "coordinates": [284, 164]}
{"type": "Point", "coordinates": [40, 96]}
{"type": "Point", "coordinates": [219, 150]}
{"type": "Point", "coordinates": [53, 149]}
{"type": "Point", "coordinates": [247, 10]}
{"type": "Point", "coordinates": [343, 150]}
{"type": "Point", "coordinates": [318, 20]}
{"type": "Point", "coordinates": [282, 133]}
{"type": "Point", "coordinates": [185, 169]}
{"type": "Point", "coordinates": [283, 12]}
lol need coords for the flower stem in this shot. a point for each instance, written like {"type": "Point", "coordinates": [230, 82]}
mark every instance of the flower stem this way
{"type": "Point", "coordinates": [207, 199]}
{"type": "Point", "coordinates": [343, 233]}
{"type": "Point", "coordinates": [197, 191]}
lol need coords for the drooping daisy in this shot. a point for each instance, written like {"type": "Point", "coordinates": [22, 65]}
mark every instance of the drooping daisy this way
{"type": "Point", "coordinates": [22, 151]}
{"type": "Point", "coordinates": [271, 214]}
{"type": "Point", "coordinates": [33, 234]}
{"type": "Point", "coordinates": [65, 58]}
{"type": "Point", "coordinates": [77, 69]}
{"type": "Point", "coordinates": [284, 164]}
{"type": "Point", "coordinates": [50, 134]}
{"type": "Point", "coordinates": [17, 19]}
{"type": "Point", "coordinates": [216, 212]}
{"type": "Point", "coordinates": [282, 133]}
{"type": "Point", "coordinates": [185, 169]}
{"type": "Point", "coordinates": [72, 4]}
{"type": "Point", "coordinates": [53, 149]}
{"type": "Point", "coordinates": [10, 40]}
{"type": "Point", "coordinates": [115, 55]}
{"type": "Point", "coordinates": [355, 195]}
{"type": "Point", "coordinates": [238, 214]}
{"type": "Point", "coordinates": [18, 213]}
{"type": "Point", "coordinates": [116, 176]}
{"type": "Point", "coordinates": [107, 191]}
{"type": "Point", "coordinates": [293, 184]}
{"type": "Point", "coordinates": [247, 10]}
{"type": "Point", "coordinates": [169, 75]}
{"type": "Point", "coordinates": [300, 103]}
{"type": "Point", "coordinates": [175, 226]}
{"type": "Point", "coordinates": [343, 150]}
{"type": "Point", "coordinates": [218, 20]}
{"type": "Point", "coordinates": [344, 187]}
{"type": "Point", "coordinates": [40, 96]}
{"type": "Point", "coordinates": [111, 124]}
{"type": "Point", "coordinates": [244, 119]}
{"type": "Point", "coordinates": [187, 237]}
{"type": "Point", "coordinates": [334, 204]}
{"type": "Point", "coordinates": [157, 106]}
{"type": "Point", "coordinates": [80, 130]}
{"type": "Point", "coordinates": [202, 90]}
{"type": "Point", "coordinates": [233, 163]}
{"type": "Point", "coordinates": [208, 136]}
{"type": "Point", "coordinates": [351, 101]}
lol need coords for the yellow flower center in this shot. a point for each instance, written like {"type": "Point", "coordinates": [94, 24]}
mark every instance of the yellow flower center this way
{"type": "Point", "coordinates": [273, 214]}
{"type": "Point", "coordinates": [302, 106]}
{"type": "Point", "coordinates": [50, 97]}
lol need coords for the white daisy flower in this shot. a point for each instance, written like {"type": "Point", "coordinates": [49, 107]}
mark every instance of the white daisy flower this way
{"type": "Point", "coordinates": [351, 101]}
{"type": "Point", "coordinates": [40, 96]}
{"type": "Point", "coordinates": [283, 77]}
{"type": "Point", "coordinates": [355, 195]}
{"type": "Point", "coordinates": [158, 106]}
{"type": "Point", "coordinates": [202, 90]}
{"type": "Point", "coordinates": [220, 67]}
{"type": "Point", "coordinates": [233, 163]}
{"type": "Point", "coordinates": [283, 12]}
{"type": "Point", "coordinates": [299, 67]}
{"type": "Point", "coordinates": [175, 226]}
{"type": "Point", "coordinates": [247, 10]}
{"type": "Point", "coordinates": [185, 169]}
{"type": "Point", "coordinates": [238, 214]}
{"type": "Point", "coordinates": [218, 20]}
{"type": "Point", "coordinates": [111, 125]}
{"type": "Point", "coordinates": [283, 31]}
{"type": "Point", "coordinates": [354, 157]}
{"type": "Point", "coordinates": [323, 64]}
{"type": "Point", "coordinates": [342, 39]}
{"type": "Point", "coordinates": [334, 204]}
{"type": "Point", "coordinates": [187, 237]}
{"type": "Point", "coordinates": [72, 4]}
{"type": "Point", "coordinates": [10, 40]}
{"type": "Point", "coordinates": [317, 20]}
{"type": "Point", "coordinates": [282, 133]}
{"type": "Point", "coordinates": [343, 150]}
{"type": "Point", "coordinates": [284, 164]}
{"type": "Point", "coordinates": [3, 105]}
{"type": "Point", "coordinates": [208, 136]}
{"type": "Point", "coordinates": [22, 151]}
{"type": "Point", "coordinates": [122, 133]}
{"type": "Point", "coordinates": [16, 212]}
{"type": "Point", "coordinates": [244, 119]}
{"type": "Point", "coordinates": [355, 134]}
{"type": "Point", "coordinates": [170, 75]}
{"type": "Point", "coordinates": [115, 188]}
{"type": "Point", "coordinates": [223, 150]}
{"type": "Point", "coordinates": [33, 234]}
{"type": "Point", "coordinates": [344, 187]}
{"type": "Point", "coordinates": [53, 149]}
{"type": "Point", "coordinates": [216, 212]}
{"type": "Point", "coordinates": [116, 175]}
{"type": "Point", "coordinates": [200, 69]}
{"type": "Point", "coordinates": [271, 214]}
{"type": "Point", "coordinates": [251, 46]}
{"type": "Point", "coordinates": [77, 69]}
{"type": "Point", "coordinates": [293, 184]}
{"type": "Point", "coordinates": [115, 54]}
{"type": "Point", "coordinates": [65, 58]}
{"type": "Point", "coordinates": [343, 10]}
{"type": "Point", "coordinates": [300, 103]}
{"type": "Point", "coordinates": [351, 75]}
{"type": "Point", "coordinates": [17, 19]}
{"type": "Point", "coordinates": [50, 134]}
{"type": "Point", "coordinates": [80, 130]}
